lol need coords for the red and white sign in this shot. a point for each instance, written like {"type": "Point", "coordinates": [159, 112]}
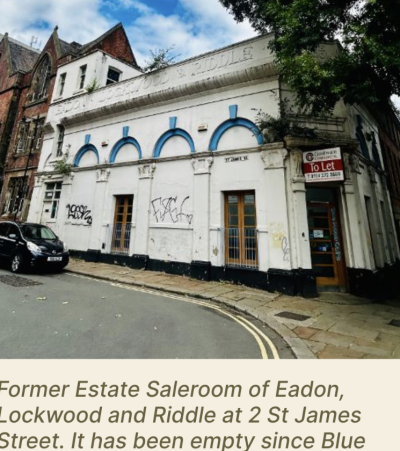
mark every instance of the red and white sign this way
{"type": "Point", "coordinates": [323, 165]}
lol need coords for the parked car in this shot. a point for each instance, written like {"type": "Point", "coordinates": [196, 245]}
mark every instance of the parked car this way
{"type": "Point", "coordinates": [28, 245]}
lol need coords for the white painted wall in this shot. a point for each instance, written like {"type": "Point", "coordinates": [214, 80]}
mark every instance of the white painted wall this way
{"type": "Point", "coordinates": [179, 197]}
{"type": "Point", "coordinates": [97, 63]}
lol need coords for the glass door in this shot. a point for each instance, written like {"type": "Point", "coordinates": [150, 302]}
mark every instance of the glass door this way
{"type": "Point", "coordinates": [325, 242]}
{"type": "Point", "coordinates": [121, 237]}
{"type": "Point", "coordinates": [241, 230]}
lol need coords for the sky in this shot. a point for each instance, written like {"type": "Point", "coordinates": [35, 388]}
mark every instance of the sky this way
{"type": "Point", "coordinates": [192, 27]}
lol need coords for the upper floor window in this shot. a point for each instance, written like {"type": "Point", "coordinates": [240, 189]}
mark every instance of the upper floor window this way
{"type": "Point", "coordinates": [61, 84]}
{"type": "Point", "coordinates": [14, 196]}
{"type": "Point", "coordinates": [41, 79]}
{"type": "Point", "coordinates": [82, 77]}
{"type": "Point", "coordinates": [30, 135]}
{"type": "Point", "coordinates": [60, 140]}
{"type": "Point", "coordinates": [113, 76]}
{"type": "Point", "coordinates": [22, 137]}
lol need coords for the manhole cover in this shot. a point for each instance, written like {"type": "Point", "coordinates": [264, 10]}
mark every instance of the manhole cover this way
{"type": "Point", "coordinates": [395, 323]}
{"type": "Point", "coordinates": [16, 281]}
{"type": "Point", "coordinates": [291, 315]}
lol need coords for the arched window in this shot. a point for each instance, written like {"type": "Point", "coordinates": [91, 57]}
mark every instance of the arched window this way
{"type": "Point", "coordinates": [41, 79]}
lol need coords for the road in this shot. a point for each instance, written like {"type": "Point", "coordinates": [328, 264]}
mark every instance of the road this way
{"type": "Point", "coordinates": [67, 316]}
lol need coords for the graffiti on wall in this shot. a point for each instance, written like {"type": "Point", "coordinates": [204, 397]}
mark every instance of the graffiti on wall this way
{"type": "Point", "coordinates": [79, 213]}
{"type": "Point", "coordinates": [280, 240]}
{"type": "Point", "coordinates": [168, 209]}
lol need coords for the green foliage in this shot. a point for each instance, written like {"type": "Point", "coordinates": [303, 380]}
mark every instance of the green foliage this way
{"type": "Point", "coordinates": [278, 128]}
{"type": "Point", "coordinates": [365, 69]}
{"type": "Point", "coordinates": [92, 86]}
{"type": "Point", "coordinates": [160, 59]}
{"type": "Point", "coordinates": [62, 167]}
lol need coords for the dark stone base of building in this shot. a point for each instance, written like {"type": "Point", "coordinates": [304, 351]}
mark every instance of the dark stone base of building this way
{"type": "Point", "coordinates": [295, 282]}
{"type": "Point", "coordinates": [379, 285]}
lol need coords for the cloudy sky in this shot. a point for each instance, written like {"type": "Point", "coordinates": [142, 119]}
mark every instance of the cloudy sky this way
{"type": "Point", "coordinates": [190, 26]}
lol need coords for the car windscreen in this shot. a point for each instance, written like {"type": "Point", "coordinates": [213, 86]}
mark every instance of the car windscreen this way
{"type": "Point", "coordinates": [37, 232]}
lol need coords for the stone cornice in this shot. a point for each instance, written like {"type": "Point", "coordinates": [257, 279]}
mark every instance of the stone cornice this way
{"type": "Point", "coordinates": [246, 76]}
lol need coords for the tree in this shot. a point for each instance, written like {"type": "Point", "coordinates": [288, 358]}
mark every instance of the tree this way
{"type": "Point", "coordinates": [160, 59]}
{"type": "Point", "coordinates": [365, 69]}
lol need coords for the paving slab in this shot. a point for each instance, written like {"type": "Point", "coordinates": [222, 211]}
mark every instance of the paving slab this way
{"type": "Point", "coordinates": [335, 352]}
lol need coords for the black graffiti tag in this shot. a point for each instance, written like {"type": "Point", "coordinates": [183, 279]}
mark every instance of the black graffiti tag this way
{"type": "Point", "coordinates": [79, 212]}
{"type": "Point", "coordinates": [167, 208]}
{"type": "Point", "coordinates": [285, 249]}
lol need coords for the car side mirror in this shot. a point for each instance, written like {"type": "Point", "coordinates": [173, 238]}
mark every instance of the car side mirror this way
{"type": "Point", "coordinates": [12, 236]}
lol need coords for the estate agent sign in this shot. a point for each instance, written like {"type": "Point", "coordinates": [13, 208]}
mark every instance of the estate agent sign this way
{"type": "Point", "coordinates": [323, 165]}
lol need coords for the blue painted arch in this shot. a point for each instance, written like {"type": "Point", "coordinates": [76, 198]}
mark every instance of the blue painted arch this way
{"type": "Point", "coordinates": [170, 134]}
{"type": "Point", "coordinates": [236, 122]}
{"type": "Point", "coordinates": [121, 143]}
{"type": "Point", "coordinates": [86, 148]}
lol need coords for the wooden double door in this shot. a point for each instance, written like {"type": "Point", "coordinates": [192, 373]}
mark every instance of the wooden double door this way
{"type": "Point", "coordinates": [121, 237]}
{"type": "Point", "coordinates": [326, 245]}
{"type": "Point", "coordinates": [241, 247]}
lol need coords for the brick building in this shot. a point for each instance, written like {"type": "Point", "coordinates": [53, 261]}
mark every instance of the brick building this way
{"type": "Point", "coordinates": [16, 60]}
{"type": "Point", "coordinates": [29, 104]}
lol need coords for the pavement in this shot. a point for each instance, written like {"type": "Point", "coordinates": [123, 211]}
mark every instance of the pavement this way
{"type": "Point", "coordinates": [332, 326]}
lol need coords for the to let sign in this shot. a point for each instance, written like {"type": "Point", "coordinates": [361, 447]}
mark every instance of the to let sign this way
{"type": "Point", "coordinates": [323, 165]}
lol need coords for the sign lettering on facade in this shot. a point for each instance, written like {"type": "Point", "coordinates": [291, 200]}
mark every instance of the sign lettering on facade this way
{"type": "Point", "coordinates": [323, 165]}
{"type": "Point", "coordinates": [233, 159]}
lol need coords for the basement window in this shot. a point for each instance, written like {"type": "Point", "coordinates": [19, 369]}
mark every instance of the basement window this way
{"type": "Point", "coordinates": [113, 76]}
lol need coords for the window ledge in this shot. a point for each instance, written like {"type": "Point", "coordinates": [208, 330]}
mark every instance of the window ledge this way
{"type": "Point", "coordinates": [55, 159]}
{"type": "Point", "coordinates": [79, 91]}
{"type": "Point", "coordinates": [36, 102]}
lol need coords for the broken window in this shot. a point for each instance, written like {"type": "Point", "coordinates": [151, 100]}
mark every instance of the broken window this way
{"type": "Point", "coordinates": [113, 76]}
{"type": "Point", "coordinates": [14, 196]}
{"type": "Point", "coordinates": [41, 80]}
{"type": "Point", "coordinates": [60, 140]}
{"type": "Point", "coordinates": [53, 195]}
{"type": "Point", "coordinates": [82, 76]}
{"type": "Point", "coordinates": [61, 84]}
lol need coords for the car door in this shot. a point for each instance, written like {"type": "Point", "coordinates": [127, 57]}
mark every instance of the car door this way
{"type": "Point", "coordinates": [11, 239]}
{"type": "Point", "coordinates": [4, 226]}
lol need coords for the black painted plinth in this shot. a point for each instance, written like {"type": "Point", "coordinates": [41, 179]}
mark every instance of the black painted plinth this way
{"type": "Point", "coordinates": [200, 270]}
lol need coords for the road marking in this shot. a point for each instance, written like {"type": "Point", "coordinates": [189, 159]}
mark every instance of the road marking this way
{"type": "Point", "coordinates": [253, 330]}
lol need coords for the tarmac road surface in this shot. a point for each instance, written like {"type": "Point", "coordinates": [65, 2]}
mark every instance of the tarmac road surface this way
{"type": "Point", "coordinates": [46, 316]}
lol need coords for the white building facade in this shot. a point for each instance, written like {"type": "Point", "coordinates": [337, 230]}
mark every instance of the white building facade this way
{"type": "Point", "coordinates": [170, 172]}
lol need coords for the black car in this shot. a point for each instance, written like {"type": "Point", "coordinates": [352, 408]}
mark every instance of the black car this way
{"type": "Point", "coordinates": [31, 245]}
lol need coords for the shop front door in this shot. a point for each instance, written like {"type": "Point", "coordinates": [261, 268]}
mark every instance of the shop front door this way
{"type": "Point", "coordinates": [326, 245]}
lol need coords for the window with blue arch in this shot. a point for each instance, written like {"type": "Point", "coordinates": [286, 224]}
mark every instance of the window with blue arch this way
{"type": "Point", "coordinates": [234, 121]}
{"type": "Point", "coordinates": [173, 131]}
{"type": "Point", "coordinates": [123, 142]}
{"type": "Point", "coordinates": [82, 151]}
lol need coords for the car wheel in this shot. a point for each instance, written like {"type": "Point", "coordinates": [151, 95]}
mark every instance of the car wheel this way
{"type": "Point", "coordinates": [17, 263]}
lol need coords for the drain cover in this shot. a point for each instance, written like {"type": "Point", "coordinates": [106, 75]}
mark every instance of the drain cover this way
{"type": "Point", "coordinates": [16, 281]}
{"type": "Point", "coordinates": [291, 315]}
{"type": "Point", "coordinates": [395, 323]}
